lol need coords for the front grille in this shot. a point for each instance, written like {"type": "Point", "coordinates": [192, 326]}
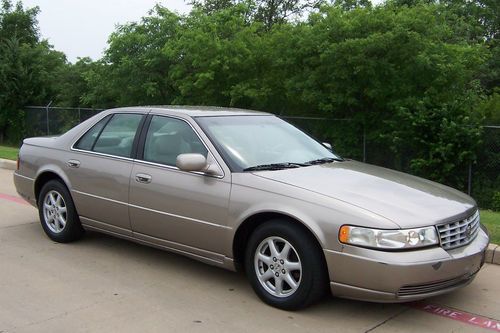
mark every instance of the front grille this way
{"type": "Point", "coordinates": [433, 286]}
{"type": "Point", "coordinates": [459, 233]}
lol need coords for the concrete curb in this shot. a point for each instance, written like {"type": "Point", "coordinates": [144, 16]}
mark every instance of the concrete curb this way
{"type": "Point", "coordinates": [8, 164]}
{"type": "Point", "coordinates": [492, 252]}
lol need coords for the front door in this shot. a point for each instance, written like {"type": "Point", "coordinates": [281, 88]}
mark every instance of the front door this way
{"type": "Point", "coordinates": [186, 209]}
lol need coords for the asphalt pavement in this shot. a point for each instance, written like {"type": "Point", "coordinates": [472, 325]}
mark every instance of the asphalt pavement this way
{"type": "Point", "coordinates": [105, 284]}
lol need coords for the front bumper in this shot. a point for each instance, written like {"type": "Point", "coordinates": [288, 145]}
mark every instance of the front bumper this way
{"type": "Point", "coordinates": [379, 276]}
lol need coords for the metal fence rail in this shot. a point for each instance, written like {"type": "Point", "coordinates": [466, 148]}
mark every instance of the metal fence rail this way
{"type": "Point", "coordinates": [481, 179]}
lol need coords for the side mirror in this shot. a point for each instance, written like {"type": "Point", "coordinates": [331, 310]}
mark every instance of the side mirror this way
{"type": "Point", "coordinates": [328, 145]}
{"type": "Point", "coordinates": [191, 162]}
{"type": "Point", "coordinates": [197, 163]}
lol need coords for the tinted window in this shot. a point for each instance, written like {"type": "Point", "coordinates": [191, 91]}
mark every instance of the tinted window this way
{"type": "Point", "coordinates": [117, 138]}
{"type": "Point", "coordinates": [169, 137]}
{"type": "Point", "coordinates": [87, 140]}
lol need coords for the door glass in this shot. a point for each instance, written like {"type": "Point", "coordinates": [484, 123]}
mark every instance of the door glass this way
{"type": "Point", "coordinates": [87, 140]}
{"type": "Point", "coordinates": [117, 138]}
{"type": "Point", "coordinates": [169, 137]}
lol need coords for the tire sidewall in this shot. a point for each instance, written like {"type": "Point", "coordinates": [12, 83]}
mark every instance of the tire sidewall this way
{"type": "Point", "coordinates": [73, 229]}
{"type": "Point", "coordinates": [310, 257]}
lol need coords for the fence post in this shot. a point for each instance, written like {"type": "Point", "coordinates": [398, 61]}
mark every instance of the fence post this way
{"type": "Point", "coordinates": [47, 109]}
{"type": "Point", "coordinates": [364, 143]}
{"type": "Point", "coordinates": [469, 182]}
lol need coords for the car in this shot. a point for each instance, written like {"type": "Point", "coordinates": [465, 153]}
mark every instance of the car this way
{"type": "Point", "coordinates": [246, 190]}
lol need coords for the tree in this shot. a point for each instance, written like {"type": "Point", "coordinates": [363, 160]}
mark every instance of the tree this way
{"type": "Point", "coordinates": [27, 66]}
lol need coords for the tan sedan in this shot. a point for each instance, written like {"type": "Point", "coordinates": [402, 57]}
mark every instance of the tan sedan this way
{"type": "Point", "coordinates": [246, 190]}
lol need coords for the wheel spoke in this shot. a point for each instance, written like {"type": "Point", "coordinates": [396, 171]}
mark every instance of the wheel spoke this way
{"type": "Point", "coordinates": [47, 206]}
{"type": "Point", "coordinates": [279, 285]}
{"type": "Point", "coordinates": [272, 248]}
{"type": "Point", "coordinates": [56, 224]}
{"type": "Point", "coordinates": [286, 250]}
{"type": "Point", "coordinates": [62, 222]}
{"type": "Point", "coordinates": [267, 275]}
{"type": "Point", "coordinates": [58, 201]}
{"type": "Point", "coordinates": [62, 210]}
{"type": "Point", "coordinates": [293, 266]}
{"type": "Point", "coordinates": [265, 259]}
{"type": "Point", "coordinates": [290, 281]}
{"type": "Point", "coordinates": [52, 199]}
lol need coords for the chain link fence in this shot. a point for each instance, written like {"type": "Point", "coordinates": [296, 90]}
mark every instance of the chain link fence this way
{"type": "Point", "coordinates": [481, 179]}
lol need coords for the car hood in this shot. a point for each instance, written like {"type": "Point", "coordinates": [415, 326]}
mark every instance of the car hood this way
{"type": "Point", "coordinates": [404, 199]}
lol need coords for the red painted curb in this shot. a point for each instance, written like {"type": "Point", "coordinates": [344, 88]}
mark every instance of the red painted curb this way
{"type": "Point", "coordinates": [13, 199]}
{"type": "Point", "coordinates": [464, 317]}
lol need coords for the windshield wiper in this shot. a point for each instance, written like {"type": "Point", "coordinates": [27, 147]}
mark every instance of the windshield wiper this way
{"type": "Point", "coordinates": [323, 160]}
{"type": "Point", "coordinates": [276, 166]}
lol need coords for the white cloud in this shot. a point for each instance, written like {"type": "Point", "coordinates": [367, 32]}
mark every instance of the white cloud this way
{"type": "Point", "coordinates": [81, 28]}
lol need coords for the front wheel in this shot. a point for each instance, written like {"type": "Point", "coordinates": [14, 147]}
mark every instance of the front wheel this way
{"type": "Point", "coordinates": [58, 214]}
{"type": "Point", "coordinates": [285, 265]}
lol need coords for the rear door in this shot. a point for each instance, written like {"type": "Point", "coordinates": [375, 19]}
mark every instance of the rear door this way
{"type": "Point", "coordinates": [99, 169]}
{"type": "Point", "coordinates": [188, 210]}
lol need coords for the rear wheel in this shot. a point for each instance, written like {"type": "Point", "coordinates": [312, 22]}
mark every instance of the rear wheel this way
{"type": "Point", "coordinates": [285, 265]}
{"type": "Point", "coordinates": [58, 214]}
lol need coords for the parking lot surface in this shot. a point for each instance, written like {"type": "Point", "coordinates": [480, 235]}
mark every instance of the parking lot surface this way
{"type": "Point", "coordinates": [104, 284]}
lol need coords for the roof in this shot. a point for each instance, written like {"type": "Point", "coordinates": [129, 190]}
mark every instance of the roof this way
{"type": "Point", "coordinates": [196, 111]}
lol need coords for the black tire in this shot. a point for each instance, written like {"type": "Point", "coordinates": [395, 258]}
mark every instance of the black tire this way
{"type": "Point", "coordinates": [73, 229]}
{"type": "Point", "coordinates": [314, 279]}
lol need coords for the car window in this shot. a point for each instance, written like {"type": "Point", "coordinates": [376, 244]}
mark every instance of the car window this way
{"type": "Point", "coordinates": [169, 137]}
{"type": "Point", "coordinates": [117, 137]}
{"type": "Point", "coordinates": [86, 142]}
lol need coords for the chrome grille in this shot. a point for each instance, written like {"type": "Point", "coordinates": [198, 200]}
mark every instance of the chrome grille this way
{"type": "Point", "coordinates": [426, 288]}
{"type": "Point", "coordinates": [459, 233]}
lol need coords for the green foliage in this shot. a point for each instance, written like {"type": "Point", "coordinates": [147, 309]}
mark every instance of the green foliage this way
{"type": "Point", "coordinates": [27, 66]}
{"type": "Point", "coordinates": [419, 77]}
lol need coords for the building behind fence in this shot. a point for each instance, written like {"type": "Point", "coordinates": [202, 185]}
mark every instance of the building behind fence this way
{"type": "Point", "coordinates": [480, 179]}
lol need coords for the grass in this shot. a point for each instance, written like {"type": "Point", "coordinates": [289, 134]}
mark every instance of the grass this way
{"type": "Point", "coordinates": [489, 218]}
{"type": "Point", "coordinates": [8, 153]}
{"type": "Point", "coordinates": [492, 222]}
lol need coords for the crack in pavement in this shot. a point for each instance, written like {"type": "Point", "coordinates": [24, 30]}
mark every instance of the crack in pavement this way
{"type": "Point", "coordinates": [17, 225]}
{"type": "Point", "coordinates": [388, 319]}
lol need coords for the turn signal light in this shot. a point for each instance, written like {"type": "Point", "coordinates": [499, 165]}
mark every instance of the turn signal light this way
{"type": "Point", "coordinates": [344, 234]}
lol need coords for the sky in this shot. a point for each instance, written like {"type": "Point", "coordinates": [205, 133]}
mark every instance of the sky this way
{"type": "Point", "coordinates": [80, 28]}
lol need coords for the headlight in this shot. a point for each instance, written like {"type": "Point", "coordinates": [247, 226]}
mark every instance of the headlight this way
{"type": "Point", "coordinates": [388, 239]}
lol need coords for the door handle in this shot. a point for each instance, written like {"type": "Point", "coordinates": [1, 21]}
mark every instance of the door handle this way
{"type": "Point", "coordinates": [143, 178]}
{"type": "Point", "coordinates": [73, 163]}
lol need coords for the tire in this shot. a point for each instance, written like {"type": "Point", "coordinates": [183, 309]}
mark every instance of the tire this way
{"type": "Point", "coordinates": [55, 205]}
{"type": "Point", "coordinates": [304, 264]}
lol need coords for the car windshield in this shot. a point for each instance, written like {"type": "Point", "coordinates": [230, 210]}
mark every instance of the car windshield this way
{"type": "Point", "coordinates": [263, 143]}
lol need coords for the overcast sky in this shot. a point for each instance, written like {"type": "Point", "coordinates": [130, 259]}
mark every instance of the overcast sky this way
{"type": "Point", "coordinates": [80, 28]}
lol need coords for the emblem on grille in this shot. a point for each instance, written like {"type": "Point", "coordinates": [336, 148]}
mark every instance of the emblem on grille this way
{"type": "Point", "coordinates": [468, 231]}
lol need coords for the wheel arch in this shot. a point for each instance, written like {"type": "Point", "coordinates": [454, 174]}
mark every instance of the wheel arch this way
{"type": "Point", "coordinates": [252, 222]}
{"type": "Point", "coordinates": [45, 176]}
